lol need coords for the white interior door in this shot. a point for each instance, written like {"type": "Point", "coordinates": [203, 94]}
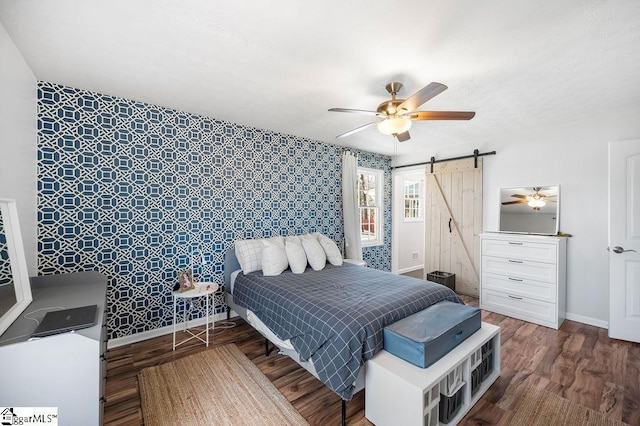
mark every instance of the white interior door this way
{"type": "Point", "coordinates": [624, 240]}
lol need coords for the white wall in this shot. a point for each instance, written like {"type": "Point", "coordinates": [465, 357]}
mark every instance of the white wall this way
{"type": "Point", "coordinates": [408, 237]}
{"type": "Point", "coordinates": [573, 155]}
{"type": "Point", "coordinates": [18, 140]}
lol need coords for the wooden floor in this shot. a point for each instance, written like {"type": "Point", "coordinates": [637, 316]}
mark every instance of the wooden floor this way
{"type": "Point", "coordinates": [578, 362]}
{"type": "Point", "coordinates": [418, 273]}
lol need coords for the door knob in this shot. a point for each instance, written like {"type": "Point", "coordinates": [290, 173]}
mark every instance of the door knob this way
{"type": "Point", "coordinates": [618, 249]}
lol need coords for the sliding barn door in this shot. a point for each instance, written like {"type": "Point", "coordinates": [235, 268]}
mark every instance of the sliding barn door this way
{"type": "Point", "coordinates": [453, 221]}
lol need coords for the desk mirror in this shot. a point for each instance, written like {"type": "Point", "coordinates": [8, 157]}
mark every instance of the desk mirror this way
{"type": "Point", "coordinates": [15, 290]}
{"type": "Point", "coordinates": [530, 210]}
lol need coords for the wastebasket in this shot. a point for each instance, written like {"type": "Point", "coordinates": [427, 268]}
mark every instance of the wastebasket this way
{"type": "Point", "coordinates": [445, 278]}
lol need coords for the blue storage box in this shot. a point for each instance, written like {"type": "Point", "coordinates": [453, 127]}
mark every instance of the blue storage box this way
{"type": "Point", "coordinates": [428, 335]}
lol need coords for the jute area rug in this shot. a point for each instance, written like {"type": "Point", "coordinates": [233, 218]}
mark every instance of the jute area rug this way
{"type": "Point", "coordinates": [541, 408]}
{"type": "Point", "coordinates": [219, 386]}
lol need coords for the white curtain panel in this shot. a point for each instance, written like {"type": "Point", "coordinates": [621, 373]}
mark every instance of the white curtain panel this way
{"type": "Point", "coordinates": [351, 212]}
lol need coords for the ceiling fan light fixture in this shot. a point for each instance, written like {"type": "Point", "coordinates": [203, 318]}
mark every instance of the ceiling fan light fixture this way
{"type": "Point", "coordinates": [536, 203]}
{"type": "Point", "coordinates": [397, 114]}
{"type": "Point", "coordinates": [394, 125]}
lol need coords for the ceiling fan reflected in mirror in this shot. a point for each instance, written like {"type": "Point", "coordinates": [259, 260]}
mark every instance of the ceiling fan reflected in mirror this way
{"type": "Point", "coordinates": [536, 201]}
{"type": "Point", "coordinates": [398, 114]}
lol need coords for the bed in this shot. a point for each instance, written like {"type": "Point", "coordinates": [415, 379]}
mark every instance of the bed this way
{"type": "Point", "coordinates": [329, 321]}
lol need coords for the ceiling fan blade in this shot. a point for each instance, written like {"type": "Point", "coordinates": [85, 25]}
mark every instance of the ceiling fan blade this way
{"type": "Point", "coordinates": [402, 137]}
{"type": "Point", "coordinates": [519, 196]}
{"type": "Point", "coordinates": [441, 115]}
{"type": "Point", "coordinates": [421, 96]}
{"type": "Point", "coordinates": [357, 129]}
{"type": "Point", "coordinates": [514, 202]}
{"type": "Point", "coordinates": [353, 111]}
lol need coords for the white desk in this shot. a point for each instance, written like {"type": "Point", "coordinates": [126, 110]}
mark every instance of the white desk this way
{"type": "Point", "coordinates": [66, 370]}
{"type": "Point", "coordinates": [206, 290]}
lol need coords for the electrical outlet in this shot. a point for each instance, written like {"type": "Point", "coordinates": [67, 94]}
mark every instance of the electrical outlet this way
{"type": "Point", "coordinates": [414, 255]}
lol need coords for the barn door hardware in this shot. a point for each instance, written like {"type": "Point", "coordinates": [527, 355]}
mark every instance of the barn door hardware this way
{"type": "Point", "coordinates": [433, 160]}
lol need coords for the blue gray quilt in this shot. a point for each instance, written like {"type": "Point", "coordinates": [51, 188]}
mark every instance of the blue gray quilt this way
{"type": "Point", "coordinates": [336, 315]}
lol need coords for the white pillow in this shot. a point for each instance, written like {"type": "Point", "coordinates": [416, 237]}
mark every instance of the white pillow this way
{"type": "Point", "coordinates": [274, 259]}
{"type": "Point", "coordinates": [293, 239]}
{"type": "Point", "coordinates": [295, 255]}
{"type": "Point", "coordinates": [331, 250]}
{"type": "Point", "coordinates": [249, 253]}
{"type": "Point", "coordinates": [314, 251]}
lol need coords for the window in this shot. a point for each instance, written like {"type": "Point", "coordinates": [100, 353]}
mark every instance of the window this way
{"type": "Point", "coordinates": [412, 200]}
{"type": "Point", "coordinates": [370, 201]}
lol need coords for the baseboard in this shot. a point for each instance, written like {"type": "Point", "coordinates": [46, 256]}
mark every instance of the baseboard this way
{"type": "Point", "coordinates": [145, 335]}
{"type": "Point", "coordinates": [409, 269]}
{"type": "Point", "coordinates": [587, 320]}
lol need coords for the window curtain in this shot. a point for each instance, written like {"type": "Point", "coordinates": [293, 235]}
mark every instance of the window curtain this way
{"type": "Point", "coordinates": [350, 208]}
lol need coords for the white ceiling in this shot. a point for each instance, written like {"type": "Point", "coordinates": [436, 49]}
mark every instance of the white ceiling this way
{"type": "Point", "coordinates": [279, 65]}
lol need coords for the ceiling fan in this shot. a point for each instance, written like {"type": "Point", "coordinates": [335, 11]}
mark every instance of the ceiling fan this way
{"type": "Point", "coordinates": [397, 114]}
{"type": "Point", "coordinates": [536, 200]}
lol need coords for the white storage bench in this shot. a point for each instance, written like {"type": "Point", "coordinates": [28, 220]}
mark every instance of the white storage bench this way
{"type": "Point", "coordinates": [399, 393]}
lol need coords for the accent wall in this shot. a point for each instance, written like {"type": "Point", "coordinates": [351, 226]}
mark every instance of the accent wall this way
{"type": "Point", "coordinates": [139, 192]}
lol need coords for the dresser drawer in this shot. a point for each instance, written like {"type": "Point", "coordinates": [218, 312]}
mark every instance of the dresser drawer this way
{"type": "Point", "coordinates": [520, 307]}
{"type": "Point", "coordinates": [517, 268]}
{"type": "Point", "coordinates": [538, 290]}
{"type": "Point", "coordinates": [524, 250]}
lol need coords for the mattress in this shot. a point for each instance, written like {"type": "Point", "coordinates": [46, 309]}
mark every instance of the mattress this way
{"type": "Point", "coordinates": [335, 316]}
{"type": "Point", "coordinates": [284, 346]}
{"type": "Point", "coordinates": [426, 336]}
{"type": "Point", "coordinates": [255, 322]}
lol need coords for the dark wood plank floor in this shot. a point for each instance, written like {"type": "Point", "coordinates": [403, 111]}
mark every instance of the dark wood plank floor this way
{"type": "Point", "coordinates": [578, 362]}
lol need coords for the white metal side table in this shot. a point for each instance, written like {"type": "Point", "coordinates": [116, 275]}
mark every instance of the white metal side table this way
{"type": "Point", "coordinates": [206, 290]}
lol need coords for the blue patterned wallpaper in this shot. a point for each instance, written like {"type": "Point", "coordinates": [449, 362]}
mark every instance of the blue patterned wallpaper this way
{"type": "Point", "coordinates": [138, 192]}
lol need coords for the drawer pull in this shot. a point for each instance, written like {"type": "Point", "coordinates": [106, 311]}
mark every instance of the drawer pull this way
{"type": "Point", "coordinates": [514, 243]}
{"type": "Point", "coordinates": [515, 261]}
{"type": "Point", "coordinates": [514, 297]}
{"type": "Point", "coordinates": [515, 279]}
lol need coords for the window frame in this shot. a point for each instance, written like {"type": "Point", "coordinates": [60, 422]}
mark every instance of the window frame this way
{"type": "Point", "coordinates": [419, 199]}
{"type": "Point", "coordinates": [378, 222]}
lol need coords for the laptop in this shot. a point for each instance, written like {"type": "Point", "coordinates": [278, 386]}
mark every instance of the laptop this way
{"type": "Point", "coordinates": [56, 322]}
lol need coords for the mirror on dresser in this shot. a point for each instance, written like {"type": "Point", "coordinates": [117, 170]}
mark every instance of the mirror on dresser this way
{"type": "Point", "coordinates": [530, 210]}
{"type": "Point", "coordinates": [15, 290]}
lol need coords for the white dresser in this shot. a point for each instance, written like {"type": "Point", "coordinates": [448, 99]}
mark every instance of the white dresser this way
{"type": "Point", "coordinates": [524, 276]}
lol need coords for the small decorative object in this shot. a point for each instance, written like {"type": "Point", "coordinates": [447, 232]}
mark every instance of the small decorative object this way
{"type": "Point", "coordinates": [185, 278]}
